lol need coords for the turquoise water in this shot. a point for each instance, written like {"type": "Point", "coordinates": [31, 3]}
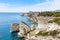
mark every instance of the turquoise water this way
{"type": "Point", "coordinates": [5, 24]}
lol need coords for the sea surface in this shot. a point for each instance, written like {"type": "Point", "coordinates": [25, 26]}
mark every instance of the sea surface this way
{"type": "Point", "coordinates": [6, 19]}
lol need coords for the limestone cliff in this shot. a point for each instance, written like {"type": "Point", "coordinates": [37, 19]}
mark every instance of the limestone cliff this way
{"type": "Point", "coordinates": [24, 28]}
{"type": "Point", "coordinates": [32, 16]}
{"type": "Point", "coordinates": [43, 27]}
{"type": "Point", "coordinates": [14, 27]}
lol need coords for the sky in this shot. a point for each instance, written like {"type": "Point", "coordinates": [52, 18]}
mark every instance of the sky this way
{"type": "Point", "coordinates": [29, 5]}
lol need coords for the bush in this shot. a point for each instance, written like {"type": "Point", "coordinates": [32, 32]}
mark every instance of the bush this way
{"type": "Point", "coordinates": [43, 33]}
{"type": "Point", "coordinates": [51, 21]}
{"type": "Point", "coordinates": [56, 20]}
{"type": "Point", "coordinates": [47, 13]}
{"type": "Point", "coordinates": [53, 33]}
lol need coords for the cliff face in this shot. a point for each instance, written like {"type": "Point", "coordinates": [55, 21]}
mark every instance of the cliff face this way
{"type": "Point", "coordinates": [32, 16]}
{"type": "Point", "coordinates": [24, 28]}
{"type": "Point", "coordinates": [14, 27]}
{"type": "Point", "coordinates": [42, 19]}
{"type": "Point", "coordinates": [42, 26]}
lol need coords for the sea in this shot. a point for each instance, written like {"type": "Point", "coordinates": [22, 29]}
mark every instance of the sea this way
{"type": "Point", "coordinates": [6, 19]}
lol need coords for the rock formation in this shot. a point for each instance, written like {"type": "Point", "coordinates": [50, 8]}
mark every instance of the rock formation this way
{"type": "Point", "coordinates": [24, 29]}
{"type": "Point", "coordinates": [33, 27]}
{"type": "Point", "coordinates": [32, 16]}
{"type": "Point", "coordinates": [43, 25]}
{"type": "Point", "coordinates": [14, 27]}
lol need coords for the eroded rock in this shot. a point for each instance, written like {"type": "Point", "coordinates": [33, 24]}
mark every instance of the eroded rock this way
{"type": "Point", "coordinates": [24, 29]}
{"type": "Point", "coordinates": [14, 27]}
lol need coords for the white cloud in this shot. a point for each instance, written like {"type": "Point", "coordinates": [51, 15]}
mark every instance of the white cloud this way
{"type": "Point", "coordinates": [49, 5]}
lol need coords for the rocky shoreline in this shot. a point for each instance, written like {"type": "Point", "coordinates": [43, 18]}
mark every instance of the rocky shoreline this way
{"type": "Point", "coordinates": [43, 31]}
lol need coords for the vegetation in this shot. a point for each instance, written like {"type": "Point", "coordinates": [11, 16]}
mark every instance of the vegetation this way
{"type": "Point", "coordinates": [53, 33]}
{"type": "Point", "coordinates": [56, 14]}
{"type": "Point", "coordinates": [56, 20]}
{"type": "Point", "coordinates": [32, 32]}
{"type": "Point", "coordinates": [44, 33]}
{"type": "Point", "coordinates": [50, 21]}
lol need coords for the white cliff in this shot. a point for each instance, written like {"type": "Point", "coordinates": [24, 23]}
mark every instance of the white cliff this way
{"type": "Point", "coordinates": [53, 26]}
{"type": "Point", "coordinates": [24, 29]}
{"type": "Point", "coordinates": [31, 33]}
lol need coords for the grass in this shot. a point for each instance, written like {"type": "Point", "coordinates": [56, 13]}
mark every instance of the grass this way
{"type": "Point", "coordinates": [45, 33]}
{"type": "Point", "coordinates": [47, 13]}
{"type": "Point", "coordinates": [32, 32]}
{"type": "Point", "coordinates": [56, 20]}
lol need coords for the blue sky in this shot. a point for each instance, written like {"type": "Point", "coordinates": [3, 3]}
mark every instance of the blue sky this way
{"type": "Point", "coordinates": [28, 5]}
{"type": "Point", "coordinates": [22, 2]}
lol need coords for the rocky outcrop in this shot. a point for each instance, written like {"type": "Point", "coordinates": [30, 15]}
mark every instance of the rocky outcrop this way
{"type": "Point", "coordinates": [14, 27]}
{"type": "Point", "coordinates": [43, 25]}
{"type": "Point", "coordinates": [32, 16]}
{"type": "Point", "coordinates": [33, 27]}
{"type": "Point", "coordinates": [23, 30]}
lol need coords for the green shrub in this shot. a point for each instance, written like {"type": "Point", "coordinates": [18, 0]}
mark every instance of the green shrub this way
{"type": "Point", "coordinates": [53, 33]}
{"type": "Point", "coordinates": [51, 21]}
{"type": "Point", "coordinates": [47, 13]}
{"type": "Point", "coordinates": [43, 33]}
{"type": "Point", "coordinates": [56, 20]}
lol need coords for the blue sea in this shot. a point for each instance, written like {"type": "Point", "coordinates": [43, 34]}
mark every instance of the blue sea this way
{"type": "Point", "coordinates": [6, 19]}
